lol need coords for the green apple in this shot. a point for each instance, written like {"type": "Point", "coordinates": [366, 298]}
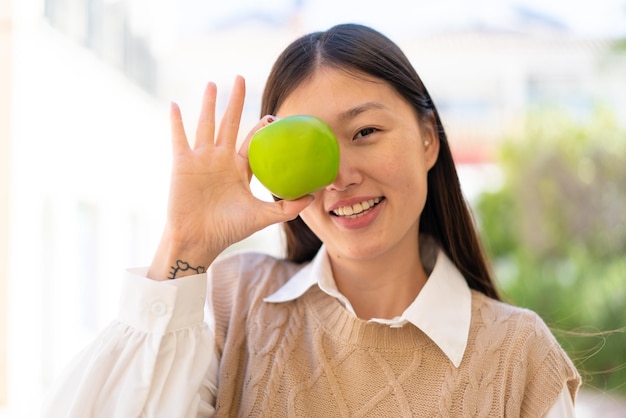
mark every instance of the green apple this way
{"type": "Point", "coordinates": [294, 156]}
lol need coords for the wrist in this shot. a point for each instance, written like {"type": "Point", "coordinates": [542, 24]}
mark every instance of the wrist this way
{"type": "Point", "coordinates": [174, 259]}
{"type": "Point", "coordinates": [183, 268]}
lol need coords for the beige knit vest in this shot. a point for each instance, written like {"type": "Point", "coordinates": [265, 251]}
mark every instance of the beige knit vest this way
{"type": "Point", "coordinates": [311, 358]}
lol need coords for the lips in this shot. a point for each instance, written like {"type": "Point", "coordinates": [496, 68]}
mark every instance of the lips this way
{"type": "Point", "coordinates": [357, 209]}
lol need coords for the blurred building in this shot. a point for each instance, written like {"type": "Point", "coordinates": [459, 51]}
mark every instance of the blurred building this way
{"type": "Point", "coordinates": [483, 76]}
{"type": "Point", "coordinates": [485, 81]}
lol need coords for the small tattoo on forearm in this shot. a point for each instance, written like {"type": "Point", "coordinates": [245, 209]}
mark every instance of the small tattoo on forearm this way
{"type": "Point", "coordinates": [184, 266]}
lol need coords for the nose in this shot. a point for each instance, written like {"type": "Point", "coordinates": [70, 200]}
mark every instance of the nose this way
{"type": "Point", "coordinates": [349, 173]}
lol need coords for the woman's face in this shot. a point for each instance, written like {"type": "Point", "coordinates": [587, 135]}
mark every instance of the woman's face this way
{"type": "Point", "coordinates": [374, 204]}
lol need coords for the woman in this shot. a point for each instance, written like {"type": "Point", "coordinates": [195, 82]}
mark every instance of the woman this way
{"type": "Point", "coordinates": [384, 306]}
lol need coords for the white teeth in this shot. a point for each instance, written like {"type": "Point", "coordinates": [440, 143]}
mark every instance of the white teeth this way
{"type": "Point", "coordinates": [357, 208]}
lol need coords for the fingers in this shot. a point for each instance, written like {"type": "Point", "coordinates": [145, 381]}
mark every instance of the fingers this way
{"type": "Point", "coordinates": [243, 148]}
{"type": "Point", "coordinates": [266, 120]}
{"type": "Point", "coordinates": [205, 130]}
{"type": "Point", "coordinates": [179, 139]}
{"type": "Point", "coordinates": [229, 126]}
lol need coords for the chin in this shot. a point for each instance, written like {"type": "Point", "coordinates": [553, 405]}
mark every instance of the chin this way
{"type": "Point", "coordinates": [360, 251]}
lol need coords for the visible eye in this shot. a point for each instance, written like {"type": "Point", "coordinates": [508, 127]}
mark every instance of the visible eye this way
{"type": "Point", "coordinates": [364, 132]}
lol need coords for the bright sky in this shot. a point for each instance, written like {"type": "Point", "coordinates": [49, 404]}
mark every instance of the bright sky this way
{"type": "Point", "coordinates": [587, 18]}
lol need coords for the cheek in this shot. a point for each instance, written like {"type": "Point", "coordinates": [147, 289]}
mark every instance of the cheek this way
{"type": "Point", "coordinates": [312, 215]}
{"type": "Point", "coordinates": [404, 168]}
{"type": "Point", "coordinates": [413, 185]}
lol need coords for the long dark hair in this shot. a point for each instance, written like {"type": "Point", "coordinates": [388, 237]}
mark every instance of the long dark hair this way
{"type": "Point", "coordinates": [362, 50]}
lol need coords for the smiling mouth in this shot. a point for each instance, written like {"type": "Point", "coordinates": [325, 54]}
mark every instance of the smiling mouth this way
{"type": "Point", "coordinates": [358, 209]}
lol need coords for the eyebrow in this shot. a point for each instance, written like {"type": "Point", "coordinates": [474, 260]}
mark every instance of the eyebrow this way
{"type": "Point", "coordinates": [357, 110]}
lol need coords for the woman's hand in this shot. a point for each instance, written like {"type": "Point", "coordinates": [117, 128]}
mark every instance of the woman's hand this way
{"type": "Point", "coordinates": [210, 203]}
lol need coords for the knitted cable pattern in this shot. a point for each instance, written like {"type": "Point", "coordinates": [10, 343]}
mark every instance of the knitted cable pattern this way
{"type": "Point", "coordinates": [481, 376]}
{"type": "Point", "coordinates": [310, 357]}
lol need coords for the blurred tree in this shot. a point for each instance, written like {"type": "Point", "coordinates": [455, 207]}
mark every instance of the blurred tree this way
{"type": "Point", "coordinates": [556, 232]}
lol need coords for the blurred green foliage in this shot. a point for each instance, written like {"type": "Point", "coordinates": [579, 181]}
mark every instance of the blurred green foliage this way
{"type": "Point", "coordinates": [556, 232]}
{"type": "Point", "coordinates": [620, 45]}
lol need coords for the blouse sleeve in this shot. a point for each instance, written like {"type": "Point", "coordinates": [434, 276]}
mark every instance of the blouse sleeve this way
{"type": "Point", "coordinates": [156, 360]}
{"type": "Point", "coordinates": [563, 407]}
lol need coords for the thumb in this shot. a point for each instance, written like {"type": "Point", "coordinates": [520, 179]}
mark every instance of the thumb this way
{"type": "Point", "coordinates": [285, 210]}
